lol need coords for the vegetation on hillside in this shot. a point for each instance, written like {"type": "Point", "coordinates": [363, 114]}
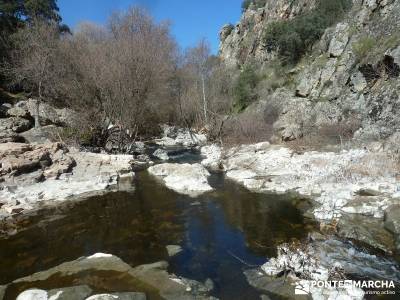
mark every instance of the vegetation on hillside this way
{"type": "Point", "coordinates": [257, 4]}
{"type": "Point", "coordinates": [293, 38]}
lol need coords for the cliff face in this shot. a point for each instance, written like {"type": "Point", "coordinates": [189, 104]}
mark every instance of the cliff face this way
{"type": "Point", "coordinates": [352, 72]}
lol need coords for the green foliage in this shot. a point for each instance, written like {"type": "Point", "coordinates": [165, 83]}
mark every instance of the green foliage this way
{"type": "Point", "coordinates": [244, 88]}
{"type": "Point", "coordinates": [363, 46]}
{"type": "Point", "coordinates": [257, 3]}
{"type": "Point", "coordinates": [293, 38]}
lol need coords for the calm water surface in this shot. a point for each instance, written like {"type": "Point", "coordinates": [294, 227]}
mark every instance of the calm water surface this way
{"type": "Point", "coordinates": [222, 233]}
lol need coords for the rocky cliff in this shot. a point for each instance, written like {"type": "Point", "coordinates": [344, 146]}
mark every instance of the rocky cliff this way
{"type": "Point", "coordinates": [350, 76]}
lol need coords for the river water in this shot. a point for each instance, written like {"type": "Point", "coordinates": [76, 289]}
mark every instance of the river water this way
{"type": "Point", "coordinates": [222, 233]}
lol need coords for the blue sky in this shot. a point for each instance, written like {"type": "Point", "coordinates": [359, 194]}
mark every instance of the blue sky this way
{"type": "Point", "coordinates": [191, 19]}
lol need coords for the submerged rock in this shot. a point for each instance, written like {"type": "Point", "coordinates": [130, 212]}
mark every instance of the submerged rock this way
{"type": "Point", "coordinates": [190, 179]}
{"type": "Point", "coordinates": [173, 250]}
{"type": "Point", "coordinates": [154, 278]}
{"type": "Point", "coordinates": [118, 296]}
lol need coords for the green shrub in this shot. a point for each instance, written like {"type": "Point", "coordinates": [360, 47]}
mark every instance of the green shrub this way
{"type": "Point", "coordinates": [293, 38]}
{"type": "Point", "coordinates": [363, 46]}
{"type": "Point", "coordinates": [257, 3]}
{"type": "Point", "coordinates": [244, 88]}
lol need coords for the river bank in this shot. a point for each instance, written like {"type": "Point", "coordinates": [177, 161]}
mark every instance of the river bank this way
{"type": "Point", "coordinates": [353, 194]}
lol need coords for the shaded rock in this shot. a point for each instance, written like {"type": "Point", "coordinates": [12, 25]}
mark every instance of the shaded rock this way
{"type": "Point", "coordinates": [41, 135]}
{"type": "Point", "coordinates": [9, 136]}
{"type": "Point", "coordinates": [392, 223]}
{"type": "Point", "coordinates": [15, 124]}
{"type": "Point", "coordinates": [120, 296]}
{"type": "Point", "coordinates": [152, 276]}
{"type": "Point", "coordinates": [283, 287]}
{"type": "Point", "coordinates": [47, 113]}
{"type": "Point", "coordinates": [14, 149]}
{"type": "Point", "coordinates": [368, 192]}
{"type": "Point", "coordinates": [79, 292]}
{"type": "Point", "coordinates": [190, 179]}
{"type": "Point", "coordinates": [18, 112]}
{"type": "Point", "coordinates": [367, 230]}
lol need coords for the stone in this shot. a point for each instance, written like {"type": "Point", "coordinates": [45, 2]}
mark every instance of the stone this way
{"type": "Point", "coordinates": [9, 136]}
{"type": "Point", "coordinates": [18, 112]}
{"type": "Point", "coordinates": [78, 292]}
{"type": "Point", "coordinates": [190, 179]}
{"type": "Point", "coordinates": [33, 294]}
{"type": "Point", "coordinates": [370, 231]}
{"type": "Point", "coordinates": [15, 124]}
{"type": "Point", "coordinates": [339, 40]}
{"type": "Point", "coordinates": [41, 135]}
{"type": "Point", "coordinates": [392, 219]}
{"type": "Point", "coordinates": [118, 296]}
{"type": "Point", "coordinates": [47, 113]}
{"type": "Point", "coordinates": [153, 277]}
{"type": "Point", "coordinates": [173, 250]}
{"type": "Point", "coordinates": [161, 154]}
{"type": "Point", "coordinates": [213, 157]}
{"type": "Point", "coordinates": [358, 82]}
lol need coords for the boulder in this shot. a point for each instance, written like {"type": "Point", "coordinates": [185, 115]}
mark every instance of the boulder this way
{"type": "Point", "coordinates": [392, 219]}
{"type": "Point", "coordinates": [15, 124]}
{"type": "Point", "coordinates": [118, 296]}
{"type": "Point", "coordinates": [40, 135]}
{"type": "Point", "coordinates": [161, 154]}
{"type": "Point", "coordinates": [9, 136]}
{"type": "Point", "coordinates": [33, 294]}
{"type": "Point", "coordinates": [153, 278]}
{"type": "Point", "coordinates": [19, 112]}
{"type": "Point", "coordinates": [190, 179]}
{"type": "Point", "coordinates": [79, 292]}
{"type": "Point", "coordinates": [47, 113]}
{"type": "Point", "coordinates": [339, 40]}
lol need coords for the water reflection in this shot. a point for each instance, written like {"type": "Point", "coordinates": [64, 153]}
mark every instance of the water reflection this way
{"type": "Point", "coordinates": [221, 233]}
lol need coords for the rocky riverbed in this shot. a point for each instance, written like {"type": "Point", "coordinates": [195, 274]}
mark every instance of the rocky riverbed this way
{"type": "Point", "coordinates": [354, 194]}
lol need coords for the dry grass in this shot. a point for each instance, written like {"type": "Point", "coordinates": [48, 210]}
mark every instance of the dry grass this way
{"type": "Point", "coordinates": [374, 164]}
{"type": "Point", "coordinates": [246, 128]}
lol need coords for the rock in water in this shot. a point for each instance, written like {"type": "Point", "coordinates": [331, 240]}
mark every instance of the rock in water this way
{"type": "Point", "coordinates": [33, 294]}
{"type": "Point", "coordinates": [189, 179]}
{"type": "Point", "coordinates": [118, 296]}
{"type": "Point", "coordinates": [161, 154]}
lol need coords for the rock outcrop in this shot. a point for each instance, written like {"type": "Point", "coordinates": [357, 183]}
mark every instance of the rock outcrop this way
{"type": "Point", "coordinates": [351, 76]}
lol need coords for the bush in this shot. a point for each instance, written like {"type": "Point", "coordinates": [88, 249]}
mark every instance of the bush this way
{"type": "Point", "coordinates": [293, 38]}
{"type": "Point", "coordinates": [246, 128]}
{"type": "Point", "coordinates": [363, 46]}
{"type": "Point", "coordinates": [244, 88]}
{"type": "Point", "coordinates": [257, 3]}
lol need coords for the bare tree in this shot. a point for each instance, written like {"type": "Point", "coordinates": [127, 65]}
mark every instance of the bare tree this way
{"type": "Point", "coordinates": [198, 58]}
{"type": "Point", "coordinates": [33, 59]}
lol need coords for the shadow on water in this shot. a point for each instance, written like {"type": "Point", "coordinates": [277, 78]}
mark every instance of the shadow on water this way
{"type": "Point", "coordinates": [221, 233]}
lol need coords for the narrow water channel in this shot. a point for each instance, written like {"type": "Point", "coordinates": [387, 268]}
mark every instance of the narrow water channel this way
{"type": "Point", "coordinates": [221, 233]}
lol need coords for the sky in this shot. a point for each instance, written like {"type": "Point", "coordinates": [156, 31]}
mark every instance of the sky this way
{"type": "Point", "coordinates": [191, 20]}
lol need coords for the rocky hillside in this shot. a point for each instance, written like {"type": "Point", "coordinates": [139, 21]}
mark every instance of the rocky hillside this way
{"type": "Point", "coordinates": [348, 80]}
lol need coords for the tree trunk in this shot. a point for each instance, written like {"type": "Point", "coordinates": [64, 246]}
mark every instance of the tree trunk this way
{"type": "Point", "coordinates": [204, 99]}
{"type": "Point", "coordinates": [37, 104]}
